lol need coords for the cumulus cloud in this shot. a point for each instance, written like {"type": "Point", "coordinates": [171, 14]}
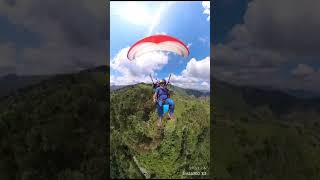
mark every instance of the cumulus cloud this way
{"type": "Point", "coordinates": [288, 26]}
{"type": "Point", "coordinates": [303, 70]}
{"type": "Point", "coordinates": [246, 75]}
{"type": "Point", "coordinates": [127, 80]}
{"type": "Point", "coordinates": [272, 36]}
{"type": "Point", "coordinates": [206, 6]}
{"type": "Point", "coordinates": [60, 20]}
{"type": "Point", "coordinates": [247, 57]}
{"type": "Point", "coordinates": [305, 77]}
{"type": "Point", "coordinates": [196, 75]}
{"type": "Point", "coordinates": [137, 70]}
{"type": "Point", "coordinates": [240, 60]}
{"type": "Point", "coordinates": [198, 69]}
{"type": "Point", "coordinates": [54, 59]}
{"type": "Point", "coordinates": [72, 32]}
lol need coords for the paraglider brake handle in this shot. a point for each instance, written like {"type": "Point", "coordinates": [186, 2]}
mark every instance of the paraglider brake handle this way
{"type": "Point", "coordinates": [151, 78]}
{"type": "Point", "coordinates": [169, 79]}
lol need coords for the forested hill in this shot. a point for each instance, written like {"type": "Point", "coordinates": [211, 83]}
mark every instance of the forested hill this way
{"type": "Point", "coordinates": [140, 150]}
{"type": "Point", "coordinates": [55, 129]}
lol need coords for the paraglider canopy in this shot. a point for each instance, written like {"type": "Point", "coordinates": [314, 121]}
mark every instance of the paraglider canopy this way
{"type": "Point", "coordinates": [158, 43]}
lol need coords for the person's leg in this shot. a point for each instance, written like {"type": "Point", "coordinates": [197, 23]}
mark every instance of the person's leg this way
{"type": "Point", "coordinates": [171, 107]}
{"type": "Point", "coordinates": [160, 113]}
{"type": "Point", "coordinates": [159, 123]}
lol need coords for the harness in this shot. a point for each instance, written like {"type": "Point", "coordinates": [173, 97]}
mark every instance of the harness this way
{"type": "Point", "coordinates": [155, 86]}
{"type": "Point", "coordinates": [163, 91]}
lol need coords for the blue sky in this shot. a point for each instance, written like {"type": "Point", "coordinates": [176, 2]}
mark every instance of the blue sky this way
{"type": "Point", "coordinates": [227, 14]}
{"type": "Point", "coordinates": [187, 21]}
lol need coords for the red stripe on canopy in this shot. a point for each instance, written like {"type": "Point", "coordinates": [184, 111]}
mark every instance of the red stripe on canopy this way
{"type": "Point", "coordinates": [156, 39]}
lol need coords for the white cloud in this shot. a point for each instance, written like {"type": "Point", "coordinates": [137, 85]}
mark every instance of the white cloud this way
{"type": "Point", "coordinates": [57, 59]}
{"type": "Point", "coordinates": [160, 33]}
{"type": "Point", "coordinates": [198, 69]}
{"type": "Point", "coordinates": [202, 39]}
{"type": "Point", "coordinates": [196, 75]}
{"type": "Point", "coordinates": [139, 13]}
{"type": "Point", "coordinates": [205, 40]}
{"type": "Point", "coordinates": [205, 85]}
{"type": "Point", "coordinates": [303, 70]}
{"type": "Point", "coordinates": [112, 80]}
{"type": "Point", "coordinates": [258, 51]}
{"type": "Point", "coordinates": [288, 26]}
{"type": "Point", "coordinates": [305, 76]}
{"type": "Point", "coordinates": [206, 6]}
{"type": "Point", "coordinates": [189, 45]}
{"type": "Point", "coordinates": [134, 12]}
{"type": "Point", "coordinates": [68, 42]}
{"type": "Point", "coordinates": [137, 70]}
{"type": "Point", "coordinates": [157, 16]}
{"type": "Point", "coordinates": [127, 80]}
{"type": "Point", "coordinates": [236, 54]}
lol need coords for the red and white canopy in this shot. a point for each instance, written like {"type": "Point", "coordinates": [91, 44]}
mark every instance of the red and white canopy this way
{"type": "Point", "coordinates": [158, 43]}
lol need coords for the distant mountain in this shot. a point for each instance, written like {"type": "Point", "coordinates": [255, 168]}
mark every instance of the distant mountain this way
{"type": "Point", "coordinates": [12, 82]}
{"type": "Point", "coordinates": [304, 94]}
{"type": "Point", "coordinates": [262, 133]}
{"type": "Point", "coordinates": [194, 92]}
{"type": "Point", "coordinates": [280, 102]}
{"type": "Point", "coordinates": [103, 69]}
{"type": "Point", "coordinates": [115, 87]}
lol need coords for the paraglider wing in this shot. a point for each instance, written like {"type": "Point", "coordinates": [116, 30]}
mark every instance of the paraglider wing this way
{"type": "Point", "coordinates": [158, 43]}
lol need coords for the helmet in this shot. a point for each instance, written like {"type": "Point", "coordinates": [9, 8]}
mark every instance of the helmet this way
{"type": "Point", "coordinates": [163, 81]}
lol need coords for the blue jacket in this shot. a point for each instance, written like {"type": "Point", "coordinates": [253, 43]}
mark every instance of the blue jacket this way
{"type": "Point", "coordinates": [162, 93]}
